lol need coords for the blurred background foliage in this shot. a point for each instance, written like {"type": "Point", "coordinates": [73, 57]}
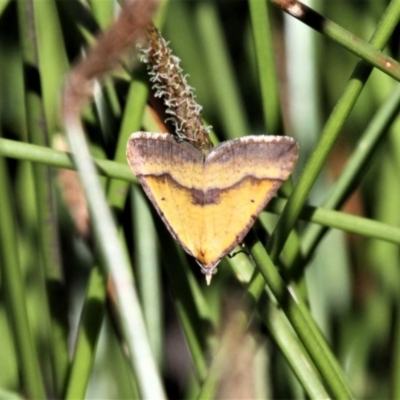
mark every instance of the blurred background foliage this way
{"type": "Point", "coordinates": [350, 284]}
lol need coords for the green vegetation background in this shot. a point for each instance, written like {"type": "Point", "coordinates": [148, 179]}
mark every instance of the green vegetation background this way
{"type": "Point", "coordinates": [324, 311]}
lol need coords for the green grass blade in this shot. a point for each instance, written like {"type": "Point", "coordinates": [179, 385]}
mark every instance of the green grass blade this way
{"type": "Point", "coordinates": [117, 266]}
{"type": "Point", "coordinates": [55, 318]}
{"type": "Point", "coordinates": [329, 135]}
{"type": "Point", "coordinates": [15, 293]}
{"type": "Point", "coordinates": [59, 159]}
{"type": "Point", "coordinates": [356, 166]}
{"type": "Point", "coordinates": [148, 271]}
{"type": "Point", "coordinates": [88, 333]}
{"type": "Point", "coordinates": [226, 91]}
{"type": "Point", "coordinates": [266, 66]}
{"type": "Point", "coordinates": [369, 52]}
{"type": "Point", "coordinates": [301, 320]}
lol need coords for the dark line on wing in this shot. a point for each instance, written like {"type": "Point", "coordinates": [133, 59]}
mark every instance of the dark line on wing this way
{"type": "Point", "coordinates": [198, 196]}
